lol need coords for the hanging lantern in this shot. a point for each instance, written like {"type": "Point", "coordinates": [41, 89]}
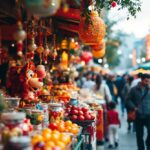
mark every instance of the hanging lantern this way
{"type": "Point", "coordinates": [72, 44]}
{"type": "Point", "coordinates": [64, 44]}
{"type": "Point", "coordinates": [64, 60]}
{"type": "Point", "coordinates": [99, 46]}
{"type": "Point", "coordinates": [92, 33]}
{"type": "Point", "coordinates": [43, 8]}
{"type": "Point", "coordinates": [98, 53]}
{"type": "Point", "coordinates": [86, 56]}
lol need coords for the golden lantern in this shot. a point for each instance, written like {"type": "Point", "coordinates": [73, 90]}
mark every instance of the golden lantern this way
{"type": "Point", "coordinates": [98, 53]}
{"type": "Point", "coordinates": [98, 50]}
{"type": "Point", "coordinates": [92, 33]}
{"type": "Point", "coordinates": [72, 44]}
{"type": "Point", "coordinates": [64, 60]}
{"type": "Point", "coordinates": [64, 44]}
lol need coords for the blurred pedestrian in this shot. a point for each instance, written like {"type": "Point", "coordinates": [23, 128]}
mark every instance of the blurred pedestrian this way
{"type": "Point", "coordinates": [102, 88]}
{"type": "Point", "coordinates": [113, 122]}
{"type": "Point", "coordinates": [138, 101]}
{"type": "Point", "coordinates": [88, 83]}
{"type": "Point", "coordinates": [125, 91]}
{"type": "Point", "coordinates": [112, 86]}
{"type": "Point", "coordinates": [120, 83]}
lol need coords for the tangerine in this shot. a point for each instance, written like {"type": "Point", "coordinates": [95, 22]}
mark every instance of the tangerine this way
{"type": "Point", "coordinates": [61, 145]}
{"type": "Point", "coordinates": [61, 128]}
{"type": "Point", "coordinates": [36, 139]}
{"type": "Point", "coordinates": [68, 123]}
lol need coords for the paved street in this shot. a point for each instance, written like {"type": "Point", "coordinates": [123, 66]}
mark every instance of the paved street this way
{"type": "Point", "coordinates": [127, 141]}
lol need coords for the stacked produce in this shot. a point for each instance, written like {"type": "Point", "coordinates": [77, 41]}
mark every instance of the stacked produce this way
{"type": "Point", "coordinates": [79, 113]}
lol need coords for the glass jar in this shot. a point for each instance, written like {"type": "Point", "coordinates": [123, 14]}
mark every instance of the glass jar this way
{"type": "Point", "coordinates": [19, 143]}
{"type": "Point", "coordinates": [12, 122]}
{"type": "Point", "coordinates": [56, 111]}
{"type": "Point", "coordinates": [44, 107]}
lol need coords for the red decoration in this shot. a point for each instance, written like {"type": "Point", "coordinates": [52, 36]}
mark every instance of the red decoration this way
{"type": "Point", "coordinates": [86, 56]}
{"type": "Point", "coordinates": [92, 33]}
{"type": "Point", "coordinates": [113, 4]}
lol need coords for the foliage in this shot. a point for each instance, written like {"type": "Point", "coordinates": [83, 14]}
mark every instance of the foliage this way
{"type": "Point", "coordinates": [133, 6]}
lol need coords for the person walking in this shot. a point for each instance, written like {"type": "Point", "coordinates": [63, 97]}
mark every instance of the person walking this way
{"type": "Point", "coordinates": [138, 100]}
{"type": "Point", "coordinates": [126, 90]}
{"type": "Point", "coordinates": [113, 122]}
{"type": "Point", "coordinates": [120, 83]}
{"type": "Point", "coordinates": [102, 88]}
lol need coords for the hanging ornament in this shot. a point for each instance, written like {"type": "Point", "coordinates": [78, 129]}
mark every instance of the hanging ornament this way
{"type": "Point", "coordinates": [46, 53]}
{"type": "Point", "coordinates": [113, 4]}
{"type": "Point", "coordinates": [99, 46]}
{"type": "Point", "coordinates": [98, 50]}
{"type": "Point", "coordinates": [31, 49]}
{"type": "Point", "coordinates": [98, 53]}
{"type": "Point", "coordinates": [20, 36]}
{"type": "Point", "coordinates": [92, 33]}
{"type": "Point", "coordinates": [54, 54]}
{"type": "Point", "coordinates": [86, 56]}
{"type": "Point", "coordinates": [43, 8]}
{"type": "Point", "coordinates": [72, 44]}
{"type": "Point", "coordinates": [64, 44]}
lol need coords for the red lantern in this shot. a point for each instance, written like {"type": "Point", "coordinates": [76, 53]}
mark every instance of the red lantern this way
{"type": "Point", "coordinates": [92, 33]}
{"type": "Point", "coordinates": [86, 56]}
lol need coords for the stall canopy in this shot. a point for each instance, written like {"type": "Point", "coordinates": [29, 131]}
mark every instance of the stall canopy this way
{"type": "Point", "coordinates": [145, 66]}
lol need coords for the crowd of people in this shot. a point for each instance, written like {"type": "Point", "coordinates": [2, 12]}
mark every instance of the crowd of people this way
{"type": "Point", "coordinates": [133, 93]}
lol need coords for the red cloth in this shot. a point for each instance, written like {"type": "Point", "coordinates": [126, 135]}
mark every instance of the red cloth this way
{"type": "Point", "coordinates": [113, 117]}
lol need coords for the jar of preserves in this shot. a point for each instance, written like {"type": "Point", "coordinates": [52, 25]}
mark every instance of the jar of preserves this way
{"type": "Point", "coordinates": [12, 125]}
{"type": "Point", "coordinates": [56, 111]}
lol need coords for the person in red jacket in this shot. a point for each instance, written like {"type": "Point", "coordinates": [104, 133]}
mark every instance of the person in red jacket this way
{"type": "Point", "coordinates": [113, 122]}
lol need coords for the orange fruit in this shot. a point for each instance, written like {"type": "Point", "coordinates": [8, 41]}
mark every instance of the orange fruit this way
{"type": "Point", "coordinates": [47, 130]}
{"type": "Point", "coordinates": [55, 137]}
{"type": "Point", "coordinates": [61, 145]}
{"type": "Point", "coordinates": [65, 138]}
{"type": "Point", "coordinates": [61, 128]}
{"type": "Point", "coordinates": [46, 136]}
{"type": "Point", "coordinates": [75, 125]}
{"type": "Point", "coordinates": [74, 130]}
{"type": "Point", "coordinates": [68, 128]}
{"type": "Point", "coordinates": [50, 144]}
{"type": "Point", "coordinates": [68, 123]}
{"type": "Point", "coordinates": [36, 139]}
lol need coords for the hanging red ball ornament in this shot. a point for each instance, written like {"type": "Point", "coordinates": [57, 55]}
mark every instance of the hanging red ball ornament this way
{"type": "Point", "coordinates": [92, 33]}
{"type": "Point", "coordinates": [113, 4]}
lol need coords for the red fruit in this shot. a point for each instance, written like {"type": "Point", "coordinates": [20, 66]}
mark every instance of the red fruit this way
{"type": "Point", "coordinates": [81, 117]}
{"type": "Point", "coordinates": [84, 109]}
{"type": "Point", "coordinates": [113, 4]}
{"type": "Point", "coordinates": [87, 117]}
{"type": "Point", "coordinates": [68, 110]}
{"type": "Point", "coordinates": [74, 117]}
{"type": "Point", "coordinates": [92, 117]}
{"type": "Point", "coordinates": [80, 112]}
{"type": "Point", "coordinates": [53, 126]}
{"type": "Point", "coordinates": [66, 114]}
{"type": "Point", "coordinates": [74, 107]}
{"type": "Point", "coordinates": [74, 112]}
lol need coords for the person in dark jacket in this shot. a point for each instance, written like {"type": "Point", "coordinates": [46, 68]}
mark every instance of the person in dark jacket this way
{"type": "Point", "coordinates": [138, 99]}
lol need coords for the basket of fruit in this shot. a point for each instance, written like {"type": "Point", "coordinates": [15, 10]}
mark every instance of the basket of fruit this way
{"type": "Point", "coordinates": [79, 115]}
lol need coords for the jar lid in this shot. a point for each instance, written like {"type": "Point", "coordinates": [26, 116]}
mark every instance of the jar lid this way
{"type": "Point", "coordinates": [55, 105]}
{"type": "Point", "coordinates": [21, 140]}
{"type": "Point", "coordinates": [13, 116]}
